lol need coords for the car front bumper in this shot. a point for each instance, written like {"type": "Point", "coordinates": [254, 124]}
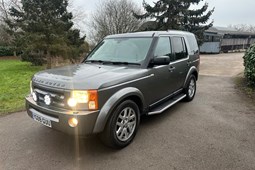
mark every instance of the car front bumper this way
{"type": "Point", "coordinates": [59, 119]}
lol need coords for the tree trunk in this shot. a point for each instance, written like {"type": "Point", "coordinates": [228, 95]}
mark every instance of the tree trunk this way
{"type": "Point", "coordinates": [48, 57]}
{"type": "Point", "coordinates": [56, 63]}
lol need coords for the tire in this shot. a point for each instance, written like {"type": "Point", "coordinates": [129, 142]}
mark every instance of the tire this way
{"type": "Point", "coordinates": [190, 88]}
{"type": "Point", "coordinates": [122, 125]}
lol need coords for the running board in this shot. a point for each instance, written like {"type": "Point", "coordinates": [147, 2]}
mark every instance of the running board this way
{"type": "Point", "coordinates": [167, 105]}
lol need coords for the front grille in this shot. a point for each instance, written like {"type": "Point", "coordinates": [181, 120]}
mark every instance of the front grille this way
{"type": "Point", "coordinates": [58, 99]}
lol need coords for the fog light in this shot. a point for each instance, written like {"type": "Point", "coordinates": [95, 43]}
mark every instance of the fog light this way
{"type": "Point", "coordinates": [34, 95]}
{"type": "Point", "coordinates": [72, 102]}
{"type": "Point", "coordinates": [73, 122]}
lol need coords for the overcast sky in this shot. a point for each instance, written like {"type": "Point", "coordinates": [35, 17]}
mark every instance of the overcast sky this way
{"type": "Point", "coordinates": [226, 11]}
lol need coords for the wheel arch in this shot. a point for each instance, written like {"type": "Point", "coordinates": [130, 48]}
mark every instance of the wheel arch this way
{"type": "Point", "coordinates": [195, 73]}
{"type": "Point", "coordinates": [193, 70]}
{"type": "Point", "coordinates": [129, 93]}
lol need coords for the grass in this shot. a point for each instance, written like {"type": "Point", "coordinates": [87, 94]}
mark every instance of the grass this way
{"type": "Point", "coordinates": [242, 85]}
{"type": "Point", "coordinates": [15, 79]}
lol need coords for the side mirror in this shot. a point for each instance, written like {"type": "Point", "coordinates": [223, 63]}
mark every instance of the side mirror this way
{"type": "Point", "coordinates": [161, 60]}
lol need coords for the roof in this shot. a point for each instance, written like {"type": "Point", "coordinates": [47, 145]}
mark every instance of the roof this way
{"type": "Point", "coordinates": [149, 34]}
{"type": "Point", "coordinates": [226, 30]}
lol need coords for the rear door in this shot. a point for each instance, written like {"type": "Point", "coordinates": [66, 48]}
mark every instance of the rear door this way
{"type": "Point", "coordinates": [179, 64]}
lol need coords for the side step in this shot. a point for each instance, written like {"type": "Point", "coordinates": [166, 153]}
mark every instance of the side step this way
{"type": "Point", "coordinates": [167, 105]}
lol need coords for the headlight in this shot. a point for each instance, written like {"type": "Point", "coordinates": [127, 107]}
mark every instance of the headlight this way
{"type": "Point", "coordinates": [72, 102]}
{"type": "Point", "coordinates": [84, 97]}
{"type": "Point", "coordinates": [80, 96]}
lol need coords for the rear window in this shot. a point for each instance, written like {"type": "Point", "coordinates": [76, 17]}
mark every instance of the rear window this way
{"type": "Point", "coordinates": [179, 48]}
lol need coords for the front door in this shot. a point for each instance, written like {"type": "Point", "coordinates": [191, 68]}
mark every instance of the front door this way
{"type": "Point", "coordinates": [163, 83]}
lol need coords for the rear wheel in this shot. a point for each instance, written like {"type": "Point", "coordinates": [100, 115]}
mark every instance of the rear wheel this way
{"type": "Point", "coordinates": [190, 89]}
{"type": "Point", "coordinates": [122, 126]}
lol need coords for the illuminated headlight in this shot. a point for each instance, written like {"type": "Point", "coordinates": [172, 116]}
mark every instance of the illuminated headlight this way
{"type": "Point", "coordinates": [80, 96]}
{"type": "Point", "coordinates": [84, 97]}
{"type": "Point", "coordinates": [72, 102]}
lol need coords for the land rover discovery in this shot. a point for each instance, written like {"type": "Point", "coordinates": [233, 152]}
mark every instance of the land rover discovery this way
{"type": "Point", "coordinates": [124, 77]}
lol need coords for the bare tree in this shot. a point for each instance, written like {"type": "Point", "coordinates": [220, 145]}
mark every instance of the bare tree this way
{"type": "Point", "coordinates": [114, 17]}
{"type": "Point", "coordinates": [79, 16]}
{"type": "Point", "coordinates": [5, 6]}
{"type": "Point", "coordinates": [243, 27]}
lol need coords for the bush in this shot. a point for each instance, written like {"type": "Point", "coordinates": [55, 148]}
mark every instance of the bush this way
{"type": "Point", "coordinates": [6, 51]}
{"type": "Point", "coordinates": [37, 59]}
{"type": "Point", "coordinates": [249, 64]}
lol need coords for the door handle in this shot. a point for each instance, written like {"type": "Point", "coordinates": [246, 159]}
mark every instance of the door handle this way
{"type": "Point", "coordinates": [171, 69]}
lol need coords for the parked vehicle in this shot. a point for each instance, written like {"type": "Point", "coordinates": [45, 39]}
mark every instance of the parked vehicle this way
{"type": "Point", "coordinates": [124, 77]}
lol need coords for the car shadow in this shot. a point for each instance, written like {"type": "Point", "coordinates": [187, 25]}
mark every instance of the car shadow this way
{"type": "Point", "coordinates": [80, 148]}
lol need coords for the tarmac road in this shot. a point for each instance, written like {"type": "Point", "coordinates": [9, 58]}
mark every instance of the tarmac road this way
{"type": "Point", "coordinates": [215, 131]}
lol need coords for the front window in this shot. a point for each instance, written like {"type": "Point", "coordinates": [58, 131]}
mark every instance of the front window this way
{"type": "Point", "coordinates": [163, 48]}
{"type": "Point", "coordinates": [121, 50]}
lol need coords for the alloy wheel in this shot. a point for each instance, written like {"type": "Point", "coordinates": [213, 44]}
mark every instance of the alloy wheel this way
{"type": "Point", "coordinates": [192, 88]}
{"type": "Point", "coordinates": [126, 124]}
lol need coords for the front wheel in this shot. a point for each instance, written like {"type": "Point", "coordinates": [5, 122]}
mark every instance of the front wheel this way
{"type": "Point", "coordinates": [122, 126]}
{"type": "Point", "coordinates": [190, 89]}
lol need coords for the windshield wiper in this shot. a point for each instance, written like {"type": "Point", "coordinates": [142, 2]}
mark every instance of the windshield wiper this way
{"type": "Point", "coordinates": [111, 62]}
{"type": "Point", "coordinates": [93, 61]}
{"type": "Point", "coordinates": [98, 61]}
{"type": "Point", "coordinates": [125, 63]}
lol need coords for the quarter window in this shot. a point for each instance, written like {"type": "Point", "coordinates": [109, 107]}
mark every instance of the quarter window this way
{"type": "Point", "coordinates": [193, 44]}
{"type": "Point", "coordinates": [179, 48]}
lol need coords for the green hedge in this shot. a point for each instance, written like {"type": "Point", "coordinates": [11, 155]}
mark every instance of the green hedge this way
{"type": "Point", "coordinates": [6, 51]}
{"type": "Point", "coordinates": [37, 59]}
{"type": "Point", "coordinates": [249, 64]}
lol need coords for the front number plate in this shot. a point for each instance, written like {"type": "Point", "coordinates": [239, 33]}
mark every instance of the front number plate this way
{"type": "Point", "coordinates": [42, 120]}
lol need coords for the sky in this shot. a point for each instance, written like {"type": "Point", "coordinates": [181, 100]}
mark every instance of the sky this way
{"type": "Point", "coordinates": [227, 12]}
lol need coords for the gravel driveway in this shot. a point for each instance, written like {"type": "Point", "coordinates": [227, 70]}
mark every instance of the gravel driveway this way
{"type": "Point", "coordinates": [215, 131]}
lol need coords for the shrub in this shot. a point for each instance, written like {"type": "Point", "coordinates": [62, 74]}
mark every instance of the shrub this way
{"type": "Point", "coordinates": [249, 64]}
{"type": "Point", "coordinates": [36, 58]}
{"type": "Point", "coordinates": [6, 51]}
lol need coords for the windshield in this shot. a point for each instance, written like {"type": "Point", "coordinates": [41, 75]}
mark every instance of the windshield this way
{"type": "Point", "coordinates": [121, 50]}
